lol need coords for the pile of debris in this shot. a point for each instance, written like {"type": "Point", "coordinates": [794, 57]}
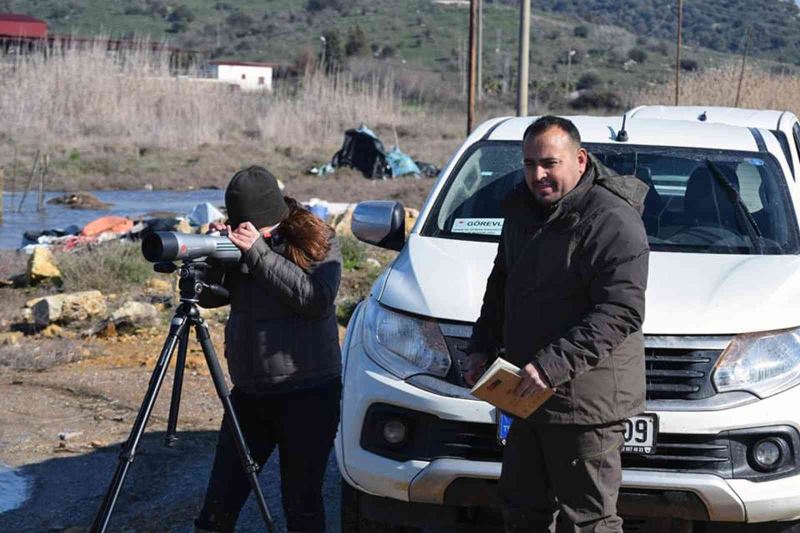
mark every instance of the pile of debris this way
{"type": "Point", "coordinates": [364, 151]}
{"type": "Point", "coordinates": [112, 227]}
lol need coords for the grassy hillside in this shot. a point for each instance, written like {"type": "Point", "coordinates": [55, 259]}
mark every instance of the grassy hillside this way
{"type": "Point", "coordinates": [719, 25]}
{"type": "Point", "coordinates": [422, 43]}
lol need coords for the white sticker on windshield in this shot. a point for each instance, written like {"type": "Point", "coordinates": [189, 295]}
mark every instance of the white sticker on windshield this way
{"type": "Point", "coordinates": [478, 226]}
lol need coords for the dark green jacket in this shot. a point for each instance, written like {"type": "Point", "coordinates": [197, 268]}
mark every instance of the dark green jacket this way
{"type": "Point", "coordinates": [281, 333]}
{"type": "Point", "coordinates": [567, 293]}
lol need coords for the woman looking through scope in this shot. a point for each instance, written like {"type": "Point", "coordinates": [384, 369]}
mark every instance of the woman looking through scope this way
{"type": "Point", "coordinates": [282, 348]}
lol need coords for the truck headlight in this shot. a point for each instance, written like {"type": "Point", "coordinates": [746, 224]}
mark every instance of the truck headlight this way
{"type": "Point", "coordinates": [402, 344]}
{"type": "Point", "coordinates": [762, 363]}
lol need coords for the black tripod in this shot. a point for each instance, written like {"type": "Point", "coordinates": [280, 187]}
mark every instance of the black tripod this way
{"type": "Point", "coordinates": [191, 284]}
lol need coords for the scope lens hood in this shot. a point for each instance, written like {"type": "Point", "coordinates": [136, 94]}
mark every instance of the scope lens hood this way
{"type": "Point", "coordinates": [160, 246]}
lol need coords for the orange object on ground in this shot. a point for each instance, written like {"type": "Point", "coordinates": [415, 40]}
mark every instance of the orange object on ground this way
{"type": "Point", "coordinates": [115, 224]}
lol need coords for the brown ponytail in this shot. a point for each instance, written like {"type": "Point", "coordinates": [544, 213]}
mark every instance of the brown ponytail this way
{"type": "Point", "coordinates": [307, 237]}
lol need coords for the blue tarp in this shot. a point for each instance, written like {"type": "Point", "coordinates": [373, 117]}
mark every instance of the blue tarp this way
{"type": "Point", "coordinates": [401, 163]}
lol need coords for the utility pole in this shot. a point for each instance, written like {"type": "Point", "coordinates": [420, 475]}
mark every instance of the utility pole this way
{"type": "Point", "coordinates": [569, 67]}
{"type": "Point", "coordinates": [524, 57]}
{"type": "Point", "coordinates": [473, 63]}
{"type": "Point", "coordinates": [480, 49]}
{"type": "Point", "coordinates": [678, 54]}
{"type": "Point", "coordinates": [2, 198]}
{"type": "Point", "coordinates": [741, 73]}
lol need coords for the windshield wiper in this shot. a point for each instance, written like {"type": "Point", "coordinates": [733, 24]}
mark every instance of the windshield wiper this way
{"type": "Point", "coordinates": [744, 216]}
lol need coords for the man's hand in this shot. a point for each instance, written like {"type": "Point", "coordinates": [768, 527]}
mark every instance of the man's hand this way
{"type": "Point", "coordinates": [532, 382]}
{"type": "Point", "coordinates": [474, 367]}
{"type": "Point", "coordinates": [244, 236]}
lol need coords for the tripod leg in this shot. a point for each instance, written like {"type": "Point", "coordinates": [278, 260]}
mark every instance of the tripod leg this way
{"type": "Point", "coordinates": [178, 327]}
{"type": "Point", "coordinates": [177, 384]}
{"type": "Point", "coordinates": [249, 466]}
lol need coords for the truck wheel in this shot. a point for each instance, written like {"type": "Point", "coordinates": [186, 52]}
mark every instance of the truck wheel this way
{"type": "Point", "coordinates": [354, 522]}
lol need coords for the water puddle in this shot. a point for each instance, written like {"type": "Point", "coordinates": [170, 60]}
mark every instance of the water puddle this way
{"type": "Point", "coordinates": [14, 489]}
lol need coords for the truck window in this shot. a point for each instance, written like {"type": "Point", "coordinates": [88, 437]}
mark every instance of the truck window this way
{"type": "Point", "coordinates": [686, 210]}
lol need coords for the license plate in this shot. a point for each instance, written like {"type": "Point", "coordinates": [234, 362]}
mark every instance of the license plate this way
{"type": "Point", "coordinates": [503, 426]}
{"type": "Point", "coordinates": [640, 434]}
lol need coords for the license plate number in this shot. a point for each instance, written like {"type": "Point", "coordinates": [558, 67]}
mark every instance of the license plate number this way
{"type": "Point", "coordinates": [640, 434]}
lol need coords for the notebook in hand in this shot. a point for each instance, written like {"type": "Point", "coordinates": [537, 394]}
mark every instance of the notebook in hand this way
{"type": "Point", "coordinates": [497, 386]}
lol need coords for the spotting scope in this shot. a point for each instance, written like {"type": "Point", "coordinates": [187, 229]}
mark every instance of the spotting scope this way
{"type": "Point", "coordinates": [164, 246]}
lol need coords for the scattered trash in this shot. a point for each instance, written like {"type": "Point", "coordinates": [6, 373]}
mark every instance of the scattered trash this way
{"type": "Point", "coordinates": [111, 223]}
{"type": "Point", "coordinates": [319, 208]}
{"type": "Point", "coordinates": [322, 170]}
{"type": "Point", "coordinates": [363, 150]}
{"type": "Point", "coordinates": [401, 163]}
{"type": "Point", "coordinates": [205, 213]}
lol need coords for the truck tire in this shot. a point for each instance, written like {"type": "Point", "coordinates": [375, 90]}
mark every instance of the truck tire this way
{"type": "Point", "coordinates": [353, 521]}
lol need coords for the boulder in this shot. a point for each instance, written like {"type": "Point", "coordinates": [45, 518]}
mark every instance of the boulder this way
{"type": "Point", "coordinates": [66, 308]}
{"type": "Point", "coordinates": [42, 267]}
{"type": "Point", "coordinates": [133, 315]}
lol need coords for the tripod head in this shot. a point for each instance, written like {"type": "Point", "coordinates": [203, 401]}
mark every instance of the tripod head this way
{"type": "Point", "coordinates": [192, 279]}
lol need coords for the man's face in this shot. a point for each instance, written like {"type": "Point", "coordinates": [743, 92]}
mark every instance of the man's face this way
{"type": "Point", "coordinates": [553, 165]}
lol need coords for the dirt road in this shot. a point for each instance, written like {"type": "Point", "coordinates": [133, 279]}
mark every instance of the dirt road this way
{"type": "Point", "coordinates": [62, 428]}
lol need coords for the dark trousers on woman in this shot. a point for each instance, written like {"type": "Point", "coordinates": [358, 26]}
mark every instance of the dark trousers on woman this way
{"type": "Point", "coordinates": [302, 424]}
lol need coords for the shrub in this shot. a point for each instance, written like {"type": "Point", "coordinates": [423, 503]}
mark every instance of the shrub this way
{"type": "Point", "coordinates": [689, 65]}
{"type": "Point", "coordinates": [597, 100]}
{"type": "Point", "coordinates": [640, 56]}
{"type": "Point", "coordinates": [353, 253]}
{"type": "Point", "coordinates": [589, 80]}
{"type": "Point", "coordinates": [581, 31]}
{"type": "Point", "coordinates": [106, 267]}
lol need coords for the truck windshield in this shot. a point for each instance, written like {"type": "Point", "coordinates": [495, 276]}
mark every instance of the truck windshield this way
{"type": "Point", "coordinates": [692, 206]}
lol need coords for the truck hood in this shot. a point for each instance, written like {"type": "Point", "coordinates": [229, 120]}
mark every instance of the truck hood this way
{"type": "Point", "coordinates": [688, 294]}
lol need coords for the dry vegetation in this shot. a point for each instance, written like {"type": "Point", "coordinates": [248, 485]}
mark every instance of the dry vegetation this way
{"type": "Point", "coordinates": [107, 115]}
{"type": "Point", "coordinates": [760, 89]}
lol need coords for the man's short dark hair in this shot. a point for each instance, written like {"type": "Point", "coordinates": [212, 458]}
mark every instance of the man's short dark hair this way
{"type": "Point", "coordinates": [546, 122]}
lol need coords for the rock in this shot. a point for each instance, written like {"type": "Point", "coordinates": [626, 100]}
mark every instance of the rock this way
{"type": "Point", "coordinates": [159, 285]}
{"type": "Point", "coordinates": [341, 223]}
{"type": "Point", "coordinates": [41, 267]}
{"type": "Point", "coordinates": [134, 315]}
{"type": "Point", "coordinates": [67, 435]}
{"type": "Point", "coordinates": [53, 331]}
{"type": "Point", "coordinates": [373, 262]}
{"type": "Point", "coordinates": [11, 338]}
{"type": "Point", "coordinates": [80, 200]}
{"type": "Point", "coordinates": [66, 308]}
{"type": "Point", "coordinates": [411, 218]}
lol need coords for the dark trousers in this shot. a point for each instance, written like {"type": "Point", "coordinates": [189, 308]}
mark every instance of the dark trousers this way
{"type": "Point", "coordinates": [302, 424]}
{"type": "Point", "coordinates": [576, 470]}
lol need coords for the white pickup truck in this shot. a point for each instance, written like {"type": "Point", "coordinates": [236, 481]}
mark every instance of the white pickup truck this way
{"type": "Point", "coordinates": [721, 451]}
{"type": "Point", "coordinates": [783, 124]}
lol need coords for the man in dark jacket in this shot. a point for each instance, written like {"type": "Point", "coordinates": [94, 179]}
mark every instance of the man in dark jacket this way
{"type": "Point", "coordinates": [565, 298]}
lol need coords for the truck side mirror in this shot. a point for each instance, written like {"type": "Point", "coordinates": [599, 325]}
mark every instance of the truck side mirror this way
{"type": "Point", "coordinates": [381, 223]}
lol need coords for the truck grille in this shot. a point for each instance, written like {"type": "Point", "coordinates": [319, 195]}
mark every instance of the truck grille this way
{"type": "Point", "coordinates": [686, 453]}
{"type": "Point", "coordinates": [679, 374]}
{"type": "Point", "coordinates": [672, 373]}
